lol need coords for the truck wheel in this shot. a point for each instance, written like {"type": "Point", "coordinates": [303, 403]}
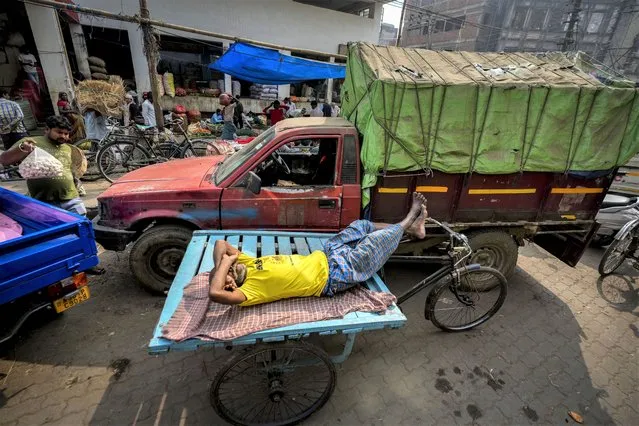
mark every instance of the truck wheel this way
{"type": "Point", "coordinates": [156, 256]}
{"type": "Point", "coordinates": [495, 249]}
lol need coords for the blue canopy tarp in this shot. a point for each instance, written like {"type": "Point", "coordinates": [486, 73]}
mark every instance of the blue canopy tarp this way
{"type": "Point", "coordinates": [268, 66]}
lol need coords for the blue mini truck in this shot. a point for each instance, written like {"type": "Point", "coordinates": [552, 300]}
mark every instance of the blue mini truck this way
{"type": "Point", "coordinates": [43, 268]}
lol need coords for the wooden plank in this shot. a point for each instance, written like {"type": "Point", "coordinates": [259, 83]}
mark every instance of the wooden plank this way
{"type": "Point", "coordinates": [376, 284]}
{"type": "Point", "coordinates": [233, 240]}
{"type": "Point", "coordinates": [259, 233]}
{"type": "Point", "coordinates": [284, 245]}
{"type": "Point", "coordinates": [315, 244]}
{"type": "Point", "coordinates": [301, 246]}
{"type": "Point", "coordinates": [189, 266]}
{"type": "Point", "coordinates": [207, 259]}
{"type": "Point", "coordinates": [350, 323]}
{"type": "Point", "coordinates": [249, 245]}
{"type": "Point", "coordinates": [268, 246]}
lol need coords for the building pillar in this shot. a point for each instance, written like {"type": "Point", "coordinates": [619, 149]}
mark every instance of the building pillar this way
{"type": "Point", "coordinates": [140, 64]}
{"type": "Point", "coordinates": [80, 49]}
{"type": "Point", "coordinates": [329, 85]}
{"type": "Point", "coordinates": [54, 61]}
{"type": "Point", "coordinates": [284, 90]}
{"type": "Point", "coordinates": [228, 84]}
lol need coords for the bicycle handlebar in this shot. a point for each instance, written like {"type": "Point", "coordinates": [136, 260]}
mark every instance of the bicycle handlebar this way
{"type": "Point", "coordinates": [455, 235]}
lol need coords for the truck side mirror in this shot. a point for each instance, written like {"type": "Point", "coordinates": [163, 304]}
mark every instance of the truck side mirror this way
{"type": "Point", "coordinates": [253, 183]}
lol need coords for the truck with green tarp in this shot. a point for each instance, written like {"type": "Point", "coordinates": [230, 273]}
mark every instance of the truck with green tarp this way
{"type": "Point", "coordinates": [504, 146]}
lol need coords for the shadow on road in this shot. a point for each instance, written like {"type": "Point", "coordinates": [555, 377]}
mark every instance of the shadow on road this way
{"type": "Point", "coordinates": [524, 366]}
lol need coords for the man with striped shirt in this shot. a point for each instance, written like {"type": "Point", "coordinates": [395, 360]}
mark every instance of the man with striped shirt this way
{"type": "Point", "coordinates": [11, 127]}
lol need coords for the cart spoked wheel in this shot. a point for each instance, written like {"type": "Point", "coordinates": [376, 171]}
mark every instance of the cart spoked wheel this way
{"type": "Point", "coordinates": [279, 384]}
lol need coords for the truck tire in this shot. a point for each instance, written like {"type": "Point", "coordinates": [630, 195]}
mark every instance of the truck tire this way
{"type": "Point", "coordinates": [156, 256]}
{"type": "Point", "coordinates": [495, 249]}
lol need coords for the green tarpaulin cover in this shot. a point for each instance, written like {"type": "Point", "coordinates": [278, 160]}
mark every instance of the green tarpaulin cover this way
{"type": "Point", "coordinates": [491, 113]}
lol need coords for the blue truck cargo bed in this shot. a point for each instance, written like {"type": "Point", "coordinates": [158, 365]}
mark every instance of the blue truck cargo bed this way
{"type": "Point", "coordinates": [54, 245]}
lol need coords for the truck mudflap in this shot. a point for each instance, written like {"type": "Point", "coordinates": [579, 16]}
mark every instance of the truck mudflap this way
{"type": "Point", "coordinates": [567, 247]}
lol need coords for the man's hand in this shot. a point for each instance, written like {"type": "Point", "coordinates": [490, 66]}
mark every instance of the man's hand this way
{"type": "Point", "coordinates": [27, 145]}
{"type": "Point", "coordinates": [230, 259]}
{"type": "Point", "coordinates": [17, 153]}
{"type": "Point", "coordinates": [222, 287]}
{"type": "Point", "coordinates": [230, 284]}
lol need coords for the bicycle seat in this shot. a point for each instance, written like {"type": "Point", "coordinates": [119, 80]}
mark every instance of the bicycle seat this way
{"type": "Point", "coordinates": [617, 201]}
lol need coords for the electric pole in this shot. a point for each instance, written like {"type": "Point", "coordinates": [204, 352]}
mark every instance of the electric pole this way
{"type": "Point", "coordinates": [569, 39]}
{"type": "Point", "coordinates": [401, 24]}
{"type": "Point", "coordinates": [151, 51]}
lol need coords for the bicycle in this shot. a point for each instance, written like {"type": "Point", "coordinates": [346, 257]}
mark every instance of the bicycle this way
{"type": "Point", "coordinates": [91, 147]}
{"type": "Point", "coordinates": [126, 152]}
{"type": "Point", "coordinates": [459, 290]}
{"type": "Point", "coordinates": [10, 173]}
{"type": "Point", "coordinates": [625, 245]}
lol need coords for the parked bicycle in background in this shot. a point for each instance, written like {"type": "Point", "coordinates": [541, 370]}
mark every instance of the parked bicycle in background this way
{"type": "Point", "coordinates": [625, 243]}
{"type": "Point", "coordinates": [124, 149]}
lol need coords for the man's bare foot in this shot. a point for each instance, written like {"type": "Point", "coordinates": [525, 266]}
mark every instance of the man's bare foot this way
{"type": "Point", "coordinates": [417, 228]}
{"type": "Point", "coordinates": [416, 206]}
{"type": "Point", "coordinates": [410, 222]}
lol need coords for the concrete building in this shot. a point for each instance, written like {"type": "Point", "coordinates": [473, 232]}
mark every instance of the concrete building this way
{"type": "Point", "coordinates": [321, 25]}
{"type": "Point", "coordinates": [601, 28]}
{"type": "Point", "coordinates": [387, 34]}
{"type": "Point", "coordinates": [623, 55]}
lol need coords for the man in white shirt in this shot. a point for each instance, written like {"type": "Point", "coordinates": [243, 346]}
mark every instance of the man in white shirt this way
{"type": "Point", "coordinates": [148, 110]}
{"type": "Point", "coordinates": [28, 62]}
{"type": "Point", "coordinates": [316, 110]}
{"type": "Point", "coordinates": [292, 108]}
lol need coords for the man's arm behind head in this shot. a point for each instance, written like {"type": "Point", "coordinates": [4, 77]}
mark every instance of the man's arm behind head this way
{"type": "Point", "coordinates": [224, 256]}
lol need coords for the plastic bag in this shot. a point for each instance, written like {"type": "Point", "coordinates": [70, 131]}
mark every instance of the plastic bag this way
{"type": "Point", "coordinates": [9, 228]}
{"type": "Point", "coordinates": [40, 165]}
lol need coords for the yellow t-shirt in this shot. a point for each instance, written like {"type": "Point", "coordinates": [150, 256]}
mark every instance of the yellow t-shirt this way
{"type": "Point", "coordinates": [271, 278]}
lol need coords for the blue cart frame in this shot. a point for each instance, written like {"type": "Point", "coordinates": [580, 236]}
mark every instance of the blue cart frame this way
{"type": "Point", "coordinates": [199, 258]}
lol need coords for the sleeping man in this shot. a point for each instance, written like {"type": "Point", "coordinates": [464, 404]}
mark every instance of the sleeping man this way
{"type": "Point", "coordinates": [350, 257]}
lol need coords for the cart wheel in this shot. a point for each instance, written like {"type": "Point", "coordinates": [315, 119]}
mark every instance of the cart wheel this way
{"type": "Point", "coordinates": [276, 385]}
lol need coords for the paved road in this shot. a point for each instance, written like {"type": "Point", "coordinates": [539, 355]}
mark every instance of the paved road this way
{"type": "Point", "coordinates": [563, 341]}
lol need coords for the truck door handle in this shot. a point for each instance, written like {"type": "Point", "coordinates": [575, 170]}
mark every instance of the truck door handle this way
{"type": "Point", "coordinates": [327, 204]}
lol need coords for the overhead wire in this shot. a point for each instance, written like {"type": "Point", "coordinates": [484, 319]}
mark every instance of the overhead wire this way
{"type": "Point", "coordinates": [424, 10]}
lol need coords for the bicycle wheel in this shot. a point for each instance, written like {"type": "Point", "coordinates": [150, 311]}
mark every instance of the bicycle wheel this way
{"type": "Point", "coordinates": [615, 254]}
{"type": "Point", "coordinates": [195, 148]}
{"type": "Point", "coordinates": [9, 173]}
{"type": "Point", "coordinates": [118, 158]}
{"type": "Point", "coordinates": [90, 148]}
{"type": "Point", "coordinates": [275, 385]}
{"type": "Point", "coordinates": [459, 304]}
{"type": "Point", "coordinates": [168, 151]}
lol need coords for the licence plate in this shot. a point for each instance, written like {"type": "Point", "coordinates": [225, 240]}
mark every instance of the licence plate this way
{"type": "Point", "coordinates": [72, 299]}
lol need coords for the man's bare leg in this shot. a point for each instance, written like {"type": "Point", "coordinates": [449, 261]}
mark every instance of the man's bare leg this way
{"type": "Point", "coordinates": [354, 263]}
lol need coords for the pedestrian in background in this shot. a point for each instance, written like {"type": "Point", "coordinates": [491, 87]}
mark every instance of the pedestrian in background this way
{"type": "Point", "coordinates": [148, 110]}
{"type": "Point", "coordinates": [316, 110]}
{"type": "Point", "coordinates": [228, 114]}
{"type": "Point", "coordinates": [11, 126]}
{"type": "Point", "coordinates": [275, 112]}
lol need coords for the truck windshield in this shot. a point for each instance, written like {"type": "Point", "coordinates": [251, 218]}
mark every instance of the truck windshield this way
{"type": "Point", "coordinates": [249, 150]}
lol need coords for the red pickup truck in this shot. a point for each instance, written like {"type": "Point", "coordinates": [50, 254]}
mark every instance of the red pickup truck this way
{"type": "Point", "coordinates": [304, 174]}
